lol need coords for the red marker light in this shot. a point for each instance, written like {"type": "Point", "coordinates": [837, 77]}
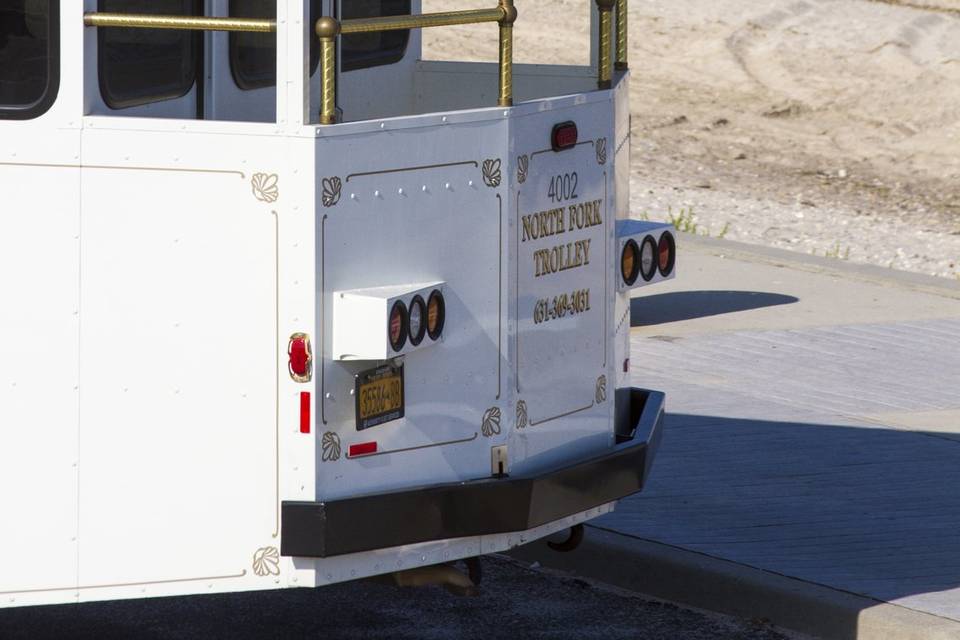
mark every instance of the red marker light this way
{"type": "Point", "coordinates": [363, 449]}
{"type": "Point", "coordinates": [301, 357]}
{"type": "Point", "coordinates": [564, 136]}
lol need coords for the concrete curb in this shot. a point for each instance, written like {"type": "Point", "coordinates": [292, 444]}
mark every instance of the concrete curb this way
{"type": "Point", "coordinates": [818, 264]}
{"type": "Point", "coordinates": [705, 582]}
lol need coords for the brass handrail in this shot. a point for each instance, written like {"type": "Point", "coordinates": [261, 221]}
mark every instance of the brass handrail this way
{"type": "Point", "coordinates": [605, 71]}
{"type": "Point", "coordinates": [422, 21]}
{"type": "Point", "coordinates": [180, 23]}
{"type": "Point", "coordinates": [622, 34]}
{"type": "Point", "coordinates": [328, 29]}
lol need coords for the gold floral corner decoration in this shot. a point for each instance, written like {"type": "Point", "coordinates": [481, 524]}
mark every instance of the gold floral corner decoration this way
{"type": "Point", "coordinates": [491, 172]}
{"type": "Point", "coordinates": [523, 166]}
{"type": "Point", "coordinates": [601, 396]}
{"type": "Point", "coordinates": [522, 419]}
{"type": "Point", "coordinates": [266, 562]}
{"type": "Point", "coordinates": [331, 447]}
{"type": "Point", "coordinates": [491, 422]}
{"type": "Point", "coordinates": [265, 187]}
{"type": "Point", "coordinates": [602, 151]}
{"type": "Point", "coordinates": [332, 188]}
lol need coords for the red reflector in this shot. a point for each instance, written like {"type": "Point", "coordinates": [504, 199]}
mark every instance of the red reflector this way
{"type": "Point", "coordinates": [363, 449]}
{"type": "Point", "coordinates": [305, 412]}
{"type": "Point", "coordinates": [301, 357]}
{"type": "Point", "coordinates": [564, 136]}
{"type": "Point", "coordinates": [626, 365]}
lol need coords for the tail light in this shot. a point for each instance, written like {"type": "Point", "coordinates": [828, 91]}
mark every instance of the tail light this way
{"type": "Point", "coordinates": [630, 262]}
{"type": "Point", "coordinates": [648, 258]}
{"type": "Point", "coordinates": [418, 320]}
{"type": "Point", "coordinates": [398, 325]}
{"type": "Point", "coordinates": [436, 314]}
{"type": "Point", "coordinates": [300, 354]}
{"type": "Point", "coordinates": [667, 254]}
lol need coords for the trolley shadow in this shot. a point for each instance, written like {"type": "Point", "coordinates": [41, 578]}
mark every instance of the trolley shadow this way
{"type": "Point", "coordinates": [688, 305]}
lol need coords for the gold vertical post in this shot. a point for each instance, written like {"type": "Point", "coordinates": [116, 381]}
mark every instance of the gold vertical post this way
{"type": "Point", "coordinates": [327, 30]}
{"type": "Point", "coordinates": [605, 71]}
{"type": "Point", "coordinates": [506, 52]}
{"type": "Point", "coordinates": [623, 23]}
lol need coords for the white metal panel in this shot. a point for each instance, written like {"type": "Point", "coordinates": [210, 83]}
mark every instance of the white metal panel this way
{"type": "Point", "coordinates": [413, 205]}
{"type": "Point", "coordinates": [39, 342]}
{"type": "Point", "coordinates": [39, 287]}
{"type": "Point", "coordinates": [563, 351]}
{"type": "Point", "coordinates": [179, 434]}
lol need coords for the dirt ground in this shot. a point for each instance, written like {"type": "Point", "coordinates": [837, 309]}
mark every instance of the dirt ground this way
{"type": "Point", "coordinates": [825, 126]}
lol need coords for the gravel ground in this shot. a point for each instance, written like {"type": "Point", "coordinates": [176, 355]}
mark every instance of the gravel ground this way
{"type": "Point", "coordinates": [824, 126]}
{"type": "Point", "coordinates": [515, 602]}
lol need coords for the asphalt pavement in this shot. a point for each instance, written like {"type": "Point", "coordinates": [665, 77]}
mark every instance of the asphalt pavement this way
{"type": "Point", "coordinates": [515, 601]}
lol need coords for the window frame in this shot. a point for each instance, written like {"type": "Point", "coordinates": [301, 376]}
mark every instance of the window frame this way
{"type": "Point", "coordinates": [195, 66]}
{"type": "Point", "coordinates": [52, 90]}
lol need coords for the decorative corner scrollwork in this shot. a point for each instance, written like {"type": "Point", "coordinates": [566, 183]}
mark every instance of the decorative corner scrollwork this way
{"type": "Point", "coordinates": [522, 418]}
{"type": "Point", "coordinates": [266, 562]}
{"type": "Point", "coordinates": [601, 395]}
{"type": "Point", "coordinates": [491, 422]}
{"type": "Point", "coordinates": [491, 172]}
{"type": "Point", "coordinates": [332, 188]}
{"type": "Point", "coordinates": [523, 167]}
{"type": "Point", "coordinates": [602, 151]}
{"type": "Point", "coordinates": [330, 443]}
{"type": "Point", "coordinates": [265, 187]}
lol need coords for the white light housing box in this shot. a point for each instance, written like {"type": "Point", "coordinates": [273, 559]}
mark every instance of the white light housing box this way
{"type": "Point", "coordinates": [362, 321]}
{"type": "Point", "coordinates": [639, 261]}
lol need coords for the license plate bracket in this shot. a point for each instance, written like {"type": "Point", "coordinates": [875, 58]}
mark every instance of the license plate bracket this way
{"type": "Point", "coordinates": [379, 396]}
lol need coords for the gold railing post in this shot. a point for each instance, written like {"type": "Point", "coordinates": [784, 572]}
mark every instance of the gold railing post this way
{"type": "Point", "coordinates": [605, 72]}
{"type": "Point", "coordinates": [506, 52]}
{"type": "Point", "coordinates": [327, 30]}
{"type": "Point", "coordinates": [623, 23]}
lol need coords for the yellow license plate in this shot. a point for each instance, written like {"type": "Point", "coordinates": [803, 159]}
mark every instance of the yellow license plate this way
{"type": "Point", "coordinates": [379, 396]}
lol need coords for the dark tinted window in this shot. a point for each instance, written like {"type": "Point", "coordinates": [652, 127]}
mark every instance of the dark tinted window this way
{"type": "Point", "coordinates": [139, 66]}
{"type": "Point", "coordinates": [29, 57]}
{"type": "Point", "coordinates": [364, 50]}
{"type": "Point", "coordinates": [253, 56]}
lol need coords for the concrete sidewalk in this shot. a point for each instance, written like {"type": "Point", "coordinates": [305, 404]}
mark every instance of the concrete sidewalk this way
{"type": "Point", "coordinates": [810, 465]}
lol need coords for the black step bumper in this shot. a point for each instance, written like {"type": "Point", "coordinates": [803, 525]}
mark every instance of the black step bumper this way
{"type": "Point", "coordinates": [482, 507]}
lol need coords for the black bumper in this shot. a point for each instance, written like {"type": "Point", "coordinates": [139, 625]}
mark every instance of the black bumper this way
{"type": "Point", "coordinates": [482, 507]}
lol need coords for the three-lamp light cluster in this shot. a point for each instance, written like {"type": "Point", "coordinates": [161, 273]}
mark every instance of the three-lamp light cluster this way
{"type": "Point", "coordinates": [414, 322]}
{"type": "Point", "coordinates": [380, 323]}
{"type": "Point", "coordinates": [648, 253]}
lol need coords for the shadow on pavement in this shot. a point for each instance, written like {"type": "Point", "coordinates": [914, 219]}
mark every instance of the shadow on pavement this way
{"type": "Point", "coordinates": [867, 510]}
{"type": "Point", "coordinates": [688, 305]}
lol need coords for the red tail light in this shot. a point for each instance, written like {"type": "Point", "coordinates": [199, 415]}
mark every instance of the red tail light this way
{"type": "Point", "coordinates": [398, 325]}
{"type": "Point", "coordinates": [667, 254]}
{"type": "Point", "coordinates": [300, 357]}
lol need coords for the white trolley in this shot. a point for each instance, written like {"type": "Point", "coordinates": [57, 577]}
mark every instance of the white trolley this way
{"type": "Point", "coordinates": [285, 305]}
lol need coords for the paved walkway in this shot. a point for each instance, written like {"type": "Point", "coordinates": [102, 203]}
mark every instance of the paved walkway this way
{"type": "Point", "coordinates": [814, 426]}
